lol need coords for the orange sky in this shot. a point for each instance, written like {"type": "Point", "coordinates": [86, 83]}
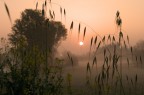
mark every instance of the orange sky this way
{"type": "Point", "coordinates": [98, 14]}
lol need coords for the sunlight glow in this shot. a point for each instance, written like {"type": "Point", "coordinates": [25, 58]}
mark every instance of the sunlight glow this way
{"type": "Point", "coordinates": [81, 43]}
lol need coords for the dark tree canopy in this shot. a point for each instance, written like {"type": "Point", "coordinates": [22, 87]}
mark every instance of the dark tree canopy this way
{"type": "Point", "coordinates": [34, 29]}
{"type": "Point", "coordinates": [25, 68]}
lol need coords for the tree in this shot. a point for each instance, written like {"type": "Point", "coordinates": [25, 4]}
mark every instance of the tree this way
{"type": "Point", "coordinates": [139, 48]}
{"type": "Point", "coordinates": [28, 72]}
{"type": "Point", "coordinates": [34, 29]}
{"type": "Point", "coordinates": [140, 45]}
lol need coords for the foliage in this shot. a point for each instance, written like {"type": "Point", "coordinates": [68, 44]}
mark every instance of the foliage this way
{"type": "Point", "coordinates": [25, 72]}
{"type": "Point", "coordinates": [37, 30]}
{"type": "Point", "coordinates": [25, 67]}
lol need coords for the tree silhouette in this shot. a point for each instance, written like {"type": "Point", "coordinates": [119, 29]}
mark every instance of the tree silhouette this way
{"type": "Point", "coordinates": [34, 29]}
{"type": "Point", "coordinates": [29, 70]}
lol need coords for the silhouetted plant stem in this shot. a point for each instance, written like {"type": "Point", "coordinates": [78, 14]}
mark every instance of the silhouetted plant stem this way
{"type": "Point", "coordinates": [120, 66]}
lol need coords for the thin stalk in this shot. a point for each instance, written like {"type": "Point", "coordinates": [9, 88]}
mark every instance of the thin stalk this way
{"type": "Point", "coordinates": [121, 66]}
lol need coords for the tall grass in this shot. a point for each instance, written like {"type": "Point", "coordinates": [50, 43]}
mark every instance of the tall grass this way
{"type": "Point", "coordinates": [26, 72]}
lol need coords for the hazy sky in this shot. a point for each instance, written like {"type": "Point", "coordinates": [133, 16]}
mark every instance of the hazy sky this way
{"type": "Point", "coordinates": [98, 14]}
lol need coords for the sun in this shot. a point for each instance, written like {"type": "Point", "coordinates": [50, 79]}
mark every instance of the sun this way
{"type": "Point", "coordinates": [81, 43]}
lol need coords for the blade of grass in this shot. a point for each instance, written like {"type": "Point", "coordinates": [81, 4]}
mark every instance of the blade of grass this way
{"type": "Point", "coordinates": [8, 13]}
